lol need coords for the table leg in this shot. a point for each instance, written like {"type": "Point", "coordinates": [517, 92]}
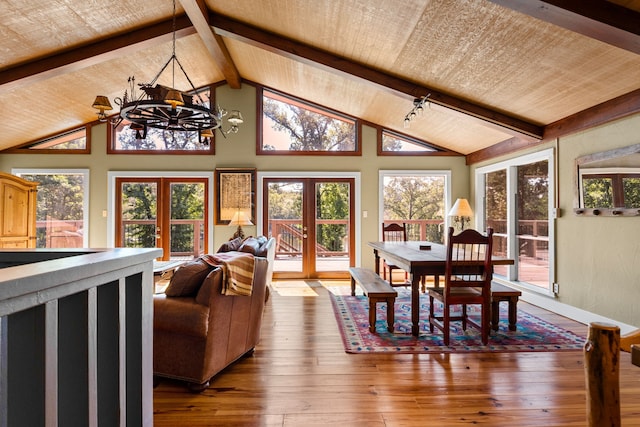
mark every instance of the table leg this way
{"type": "Point", "coordinates": [415, 304]}
{"type": "Point", "coordinates": [391, 314]}
{"type": "Point", "coordinates": [495, 314]}
{"type": "Point", "coordinates": [513, 313]}
{"type": "Point", "coordinates": [377, 258]}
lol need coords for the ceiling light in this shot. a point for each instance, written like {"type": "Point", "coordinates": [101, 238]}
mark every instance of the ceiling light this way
{"type": "Point", "coordinates": [418, 108]}
{"type": "Point", "coordinates": [167, 108]}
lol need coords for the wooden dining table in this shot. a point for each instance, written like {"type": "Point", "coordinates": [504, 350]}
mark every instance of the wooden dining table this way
{"type": "Point", "coordinates": [418, 259]}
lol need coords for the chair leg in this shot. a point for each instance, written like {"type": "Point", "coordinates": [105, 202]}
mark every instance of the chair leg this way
{"type": "Point", "coordinates": [431, 313]}
{"type": "Point", "coordinates": [445, 323]}
{"type": "Point", "coordinates": [486, 324]}
{"type": "Point", "coordinates": [464, 317]}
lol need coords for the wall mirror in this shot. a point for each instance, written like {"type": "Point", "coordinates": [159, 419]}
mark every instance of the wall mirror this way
{"type": "Point", "coordinates": [608, 183]}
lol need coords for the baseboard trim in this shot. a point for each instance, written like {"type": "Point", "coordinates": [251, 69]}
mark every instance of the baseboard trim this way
{"type": "Point", "coordinates": [574, 313]}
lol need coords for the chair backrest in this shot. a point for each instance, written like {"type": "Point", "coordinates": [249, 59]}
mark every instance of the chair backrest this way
{"type": "Point", "coordinates": [394, 232]}
{"type": "Point", "coordinates": [468, 261]}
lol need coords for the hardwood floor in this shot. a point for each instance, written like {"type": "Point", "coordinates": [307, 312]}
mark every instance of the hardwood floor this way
{"type": "Point", "coordinates": [299, 375]}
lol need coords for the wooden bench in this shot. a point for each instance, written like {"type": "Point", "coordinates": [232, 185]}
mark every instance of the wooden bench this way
{"type": "Point", "coordinates": [377, 290]}
{"type": "Point", "coordinates": [504, 293]}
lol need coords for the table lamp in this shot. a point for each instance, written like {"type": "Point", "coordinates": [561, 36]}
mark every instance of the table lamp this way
{"type": "Point", "coordinates": [461, 211]}
{"type": "Point", "coordinates": [239, 218]}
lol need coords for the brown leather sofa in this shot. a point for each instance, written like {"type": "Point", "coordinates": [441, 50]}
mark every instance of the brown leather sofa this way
{"type": "Point", "coordinates": [198, 331]}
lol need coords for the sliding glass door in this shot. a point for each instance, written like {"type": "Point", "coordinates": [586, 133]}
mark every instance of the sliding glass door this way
{"type": "Point", "coordinates": [518, 200]}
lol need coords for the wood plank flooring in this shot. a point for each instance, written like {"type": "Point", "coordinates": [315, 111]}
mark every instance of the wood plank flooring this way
{"type": "Point", "coordinates": [299, 375]}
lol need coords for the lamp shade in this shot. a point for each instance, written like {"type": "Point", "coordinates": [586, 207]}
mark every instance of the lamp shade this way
{"type": "Point", "coordinates": [102, 103]}
{"type": "Point", "coordinates": [235, 118]}
{"type": "Point", "coordinates": [240, 218]}
{"type": "Point", "coordinates": [461, 208]}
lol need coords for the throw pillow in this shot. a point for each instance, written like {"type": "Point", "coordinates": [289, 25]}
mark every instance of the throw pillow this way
{"type": "Point", "coordinates": [231, 245]}
{"type": "Point", "coordinates": [187, 279]}
{"type": "Point", "coordinates": [208, 284]}
{"type": "Point", "coordinates": [250, 245]}
{"type": "Point", "coordinates": [262, 252]}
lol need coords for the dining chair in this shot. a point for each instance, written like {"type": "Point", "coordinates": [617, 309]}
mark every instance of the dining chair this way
{"type": "Point", "coordinates": [467, 281]}
{"type": "Point", "coordinates": [393, 233]}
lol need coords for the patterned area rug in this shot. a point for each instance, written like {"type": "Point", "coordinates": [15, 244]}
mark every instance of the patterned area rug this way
{"type": "Point", "coordinates": [352, 314]}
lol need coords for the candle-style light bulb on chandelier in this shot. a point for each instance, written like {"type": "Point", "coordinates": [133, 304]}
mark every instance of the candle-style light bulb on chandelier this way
{"type": "Point", "coordinates": [168, 108]}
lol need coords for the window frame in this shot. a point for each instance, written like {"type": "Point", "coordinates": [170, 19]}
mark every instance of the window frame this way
{"type": "Point", "coordinates": [29, 147]}
{"type": "Point", "coordinates": [446, 174]}
{"type": "Point", "coordinates": [511, 166]}
{"type": "Point", "coordinates": [437, 151]}
{"type": "Point", "coordinates": [312, 106]}
{"type": "Point", "coordinates": [112, 191]}
{"type": "Point", "coordinates": [617, 175]}
{"type": "Point", "coordinates": [85, 193]}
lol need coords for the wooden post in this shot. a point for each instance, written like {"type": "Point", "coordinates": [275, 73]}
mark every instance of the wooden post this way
{"type": "Point", "coordinates": [601, 358]}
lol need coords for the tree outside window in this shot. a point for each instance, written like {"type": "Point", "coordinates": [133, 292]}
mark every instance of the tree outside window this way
{"type": "Point", "coordinates": [417, 200]}
{"type": "Point", "coordinates": [60, 211]}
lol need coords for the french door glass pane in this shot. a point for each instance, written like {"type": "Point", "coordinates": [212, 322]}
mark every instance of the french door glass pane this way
{"type": "Point", "coordinates": [285, 224]}
{"type": "Point", "coordinates": [533, 224]}
{"type": "Point", "coordinates": [496, 214]}
{"type": "Point", "coordinates": [332, 226]}
{"type": "Point", "coordinates": [139, 214]}
{"type": "Point", "coordinates": [187, 220]}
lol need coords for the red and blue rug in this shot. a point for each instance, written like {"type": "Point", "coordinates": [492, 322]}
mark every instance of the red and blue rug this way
{"type": "Point", "coordinates": [352, 314]}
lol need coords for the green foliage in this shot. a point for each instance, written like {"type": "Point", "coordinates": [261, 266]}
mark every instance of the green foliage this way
{"type": "Point", "coordinates": [187, 202]}
{"type": "Point", "coordinates": [533, 191]}
{"type": "Point", "coordinates": [285, 200]}
{"type": "Point", "coordinates": [631, 188]}
{"type": "Point", "coordinates": [418, 198]}
{"type": "Point", "coordinates": [332, 202]}
{"type": "Point", "coordinates": [309, 130]}
{"type": "Point", "coordinates": [59, 196]}
{"type": "Point", "coordinates": [158, 139]}
{"type": "Point", "coordinates": [496, 200]}
{"type": "Point", "coordinates": [598, 192]}
{"type": "Point", "coordinates": [390, 143]}
{"type": "Point", "coordinates": [139, 202]}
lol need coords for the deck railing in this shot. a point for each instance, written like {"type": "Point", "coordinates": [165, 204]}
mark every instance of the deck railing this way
{"type": "Point", "coordinates": [76, 337]}
{"type": "Point", "coordinates": [141, 233]}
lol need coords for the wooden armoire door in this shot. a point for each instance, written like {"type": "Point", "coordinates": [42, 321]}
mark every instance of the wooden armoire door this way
{"type": "Point", "coordinates": [17, 212]}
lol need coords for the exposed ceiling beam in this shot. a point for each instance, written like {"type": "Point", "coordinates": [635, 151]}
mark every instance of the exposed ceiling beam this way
{"type": "Point", "coordinates": [598, 19]}
{"type": "Point", "coordinates": [315, 57]}
{"type": "Point", "coordinates": [597, 115]}
{"type": "Point", "coordinates": [92, 54]}
{"type": "Point", "coordinates": [199, 15]}
{"type": "Point", "coordinates": [614, 109]}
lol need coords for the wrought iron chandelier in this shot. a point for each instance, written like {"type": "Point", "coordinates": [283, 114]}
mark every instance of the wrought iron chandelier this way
{"type": "Point", "coordinates": [167, 108]}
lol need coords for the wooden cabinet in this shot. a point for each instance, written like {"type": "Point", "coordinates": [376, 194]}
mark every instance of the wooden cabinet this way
{"type": "Point", "coordinates": [17, 212]}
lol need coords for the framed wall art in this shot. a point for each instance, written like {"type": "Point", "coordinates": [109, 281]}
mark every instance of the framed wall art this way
{"type": "Point", "coordinates": [235, 194]}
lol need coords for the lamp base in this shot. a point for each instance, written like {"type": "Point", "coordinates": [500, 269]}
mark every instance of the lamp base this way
{"type": "Point", "coordinates": [238, 233]}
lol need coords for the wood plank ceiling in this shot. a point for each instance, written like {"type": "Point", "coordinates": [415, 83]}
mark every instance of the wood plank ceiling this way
{"type": "Point", "coordinates": [501, 74]}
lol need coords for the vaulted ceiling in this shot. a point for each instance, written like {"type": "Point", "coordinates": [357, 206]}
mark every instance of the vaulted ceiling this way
{"type": "Point", "coordinates": [500, 74]}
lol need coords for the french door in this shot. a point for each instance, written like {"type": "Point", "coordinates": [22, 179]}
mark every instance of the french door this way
{"type": "Point", "coordinates": [312, 222]}
{"type": "Point", "coordinates": [167, 213]}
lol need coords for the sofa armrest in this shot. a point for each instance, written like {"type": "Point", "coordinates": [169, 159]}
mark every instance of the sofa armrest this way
{"type": "Point", "coordinates": [234, 321]}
